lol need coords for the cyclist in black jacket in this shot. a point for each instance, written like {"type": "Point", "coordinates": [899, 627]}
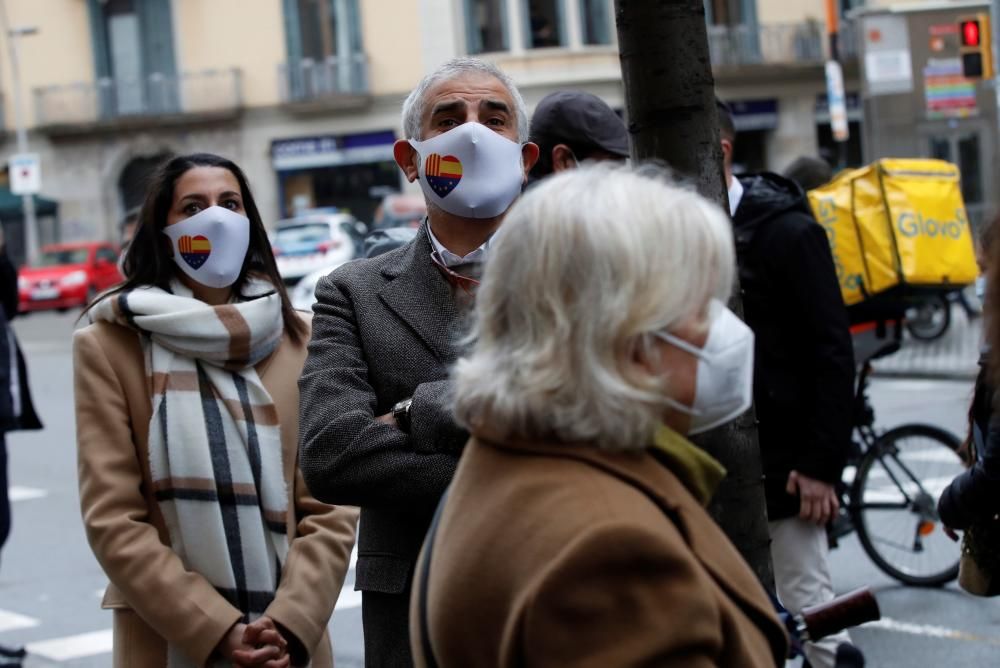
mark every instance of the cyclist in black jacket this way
{"type": "Point", "coordinates": [803, 376]}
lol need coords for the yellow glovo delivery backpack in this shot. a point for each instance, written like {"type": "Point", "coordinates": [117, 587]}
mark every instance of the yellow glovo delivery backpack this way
{"type": "Point", "coordinates": [897, 223]}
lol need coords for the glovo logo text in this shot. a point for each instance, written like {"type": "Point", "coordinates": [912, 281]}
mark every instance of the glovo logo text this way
{"type": "Point", "coordinates": [827, 217]}
{"type": "Point", "coordinates": [913, 224]}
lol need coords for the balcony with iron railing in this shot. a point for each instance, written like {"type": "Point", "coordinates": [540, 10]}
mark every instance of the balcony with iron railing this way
{"type": "Point", "coordinates": [802, 45]}
{"type": "Point", "coordinates": [156, 100]}
{"type": "Point", "coordinates": [337, 82]}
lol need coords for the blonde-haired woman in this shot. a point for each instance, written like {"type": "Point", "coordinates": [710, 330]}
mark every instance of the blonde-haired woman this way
{"type": "Point", "coordinates": [574, 533]}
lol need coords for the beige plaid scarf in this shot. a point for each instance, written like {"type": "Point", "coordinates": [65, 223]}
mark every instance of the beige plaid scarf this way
{"type": "Point", "coordinates": [214, 440]}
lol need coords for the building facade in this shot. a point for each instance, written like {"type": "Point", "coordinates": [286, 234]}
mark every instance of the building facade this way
{"type": "Point", "coordinates": [305, 94]}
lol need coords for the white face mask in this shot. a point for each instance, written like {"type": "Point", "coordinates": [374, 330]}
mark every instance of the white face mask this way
{"type": "Point", "coordinates": [211, 245]}
{"type": "Point", "coordinates": [724, 387]}
{"type": "Point", "coordinates": [470, 171]}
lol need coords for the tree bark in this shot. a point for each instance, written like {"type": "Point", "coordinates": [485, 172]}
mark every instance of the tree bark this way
{"type": "Point", "coordinates": [670, 101]}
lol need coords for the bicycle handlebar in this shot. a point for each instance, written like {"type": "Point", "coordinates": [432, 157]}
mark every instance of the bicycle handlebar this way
{"type": "Point", "coordinates": [852, 609]}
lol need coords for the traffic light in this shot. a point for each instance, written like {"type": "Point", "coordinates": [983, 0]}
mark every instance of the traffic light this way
{"type": "Point", "coordinates": [976, 46]}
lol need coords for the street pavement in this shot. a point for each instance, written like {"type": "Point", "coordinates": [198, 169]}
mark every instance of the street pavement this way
{"type": "Point", "coordinates": [953, 356]}
{"type": "Point", "coordinates": [50, 584]}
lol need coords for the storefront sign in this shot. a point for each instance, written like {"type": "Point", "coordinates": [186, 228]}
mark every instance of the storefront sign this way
{"type": "Point", "coordinates": [852, 102]}
{"type": "Point", "coordinates": [946, 92]}
{"type": "Point", "coordinates": [751, 115]}
{"type": "Point", "coordinates": [332, 150]}
{"type": "Point", "coordinates": [887, 63]}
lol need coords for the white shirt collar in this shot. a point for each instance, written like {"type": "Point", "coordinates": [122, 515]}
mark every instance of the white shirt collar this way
{"type": "Point", "coordinates": [735, 195]}
{"type": "Point", "coordinates": [451, 259]}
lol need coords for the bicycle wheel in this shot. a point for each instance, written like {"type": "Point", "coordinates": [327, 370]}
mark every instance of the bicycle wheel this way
{"type": "Point", "coordinates": [894, 504]}
{"type": "Point", "coordinates": [929, 320]}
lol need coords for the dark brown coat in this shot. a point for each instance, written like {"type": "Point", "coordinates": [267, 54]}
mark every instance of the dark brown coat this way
{"type": "Point", "coordinates": [561, 555]}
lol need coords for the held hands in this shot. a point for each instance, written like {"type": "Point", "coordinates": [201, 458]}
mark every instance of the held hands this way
{"type": "Point", "coordinates": [256, 644]}
{"type": "Point", "coordinates": [818, 501]}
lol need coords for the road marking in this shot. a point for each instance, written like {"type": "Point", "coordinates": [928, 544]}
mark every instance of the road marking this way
{"type": "Point", "coordinates": [348, 599]}
{"type": "Point", "coordinates": [16, 493]}
{"type": "Point", "coordinates": [73, 647]}
{"type": "Point", "coordinates": [916, 385]}
{"type": "Point", "coordinates": [11, 621]}
{"type": "Point", "coordinates": [928, 630]}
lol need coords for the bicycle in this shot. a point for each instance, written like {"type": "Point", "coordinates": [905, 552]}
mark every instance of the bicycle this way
{"type": "Point", "coordinates": [890, 492]}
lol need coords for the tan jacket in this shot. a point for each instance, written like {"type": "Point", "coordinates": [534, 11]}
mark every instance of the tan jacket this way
{"type": "Point", "coordinates": [562, 555]}
{"type": "Point", "coordinates": [155, 600]}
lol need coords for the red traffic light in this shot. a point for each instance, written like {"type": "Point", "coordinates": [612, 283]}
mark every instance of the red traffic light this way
{"type": "Point", "coordinates": [970, 33]}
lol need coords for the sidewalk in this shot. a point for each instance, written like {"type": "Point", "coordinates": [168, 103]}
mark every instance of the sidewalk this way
{"type": "Point", "coordinates": [954, 356]}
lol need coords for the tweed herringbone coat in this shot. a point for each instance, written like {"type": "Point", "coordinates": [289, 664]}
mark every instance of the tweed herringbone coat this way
{"type": "Point", "coordinates": [384, 329]}
{"type": "Point", "coordinates": [154, 599]}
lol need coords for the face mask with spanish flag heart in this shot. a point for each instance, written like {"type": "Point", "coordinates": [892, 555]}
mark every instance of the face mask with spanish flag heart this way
{"type": "Point", "coordinates": [211, 245]}
{"type": "Point", "coordinates": [470, 171]}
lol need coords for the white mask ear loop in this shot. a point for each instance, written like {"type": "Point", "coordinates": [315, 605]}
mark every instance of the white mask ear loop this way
{"type": "Point", "coordinates": [698, 353]}
{"type": "Point", "coordinates": [682, 344]}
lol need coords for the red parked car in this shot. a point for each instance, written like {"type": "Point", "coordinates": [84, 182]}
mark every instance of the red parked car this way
{"type": "Point", "coordinates": [67, 276]}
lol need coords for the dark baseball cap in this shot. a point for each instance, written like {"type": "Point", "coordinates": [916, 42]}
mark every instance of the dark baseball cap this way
{"type": "Point", "coordinates": [579, 118]}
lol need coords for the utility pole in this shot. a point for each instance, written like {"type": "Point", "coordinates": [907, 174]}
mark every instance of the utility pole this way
{"type": "Point", "coordinates": [27, 201]}
{"type": "Point", "coordinates": [835, 101]}
{"type": "Point", "coordinates": [670, 101]}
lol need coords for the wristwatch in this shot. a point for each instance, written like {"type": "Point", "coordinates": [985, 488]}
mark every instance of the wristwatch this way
{"type": "Point", "coordinates": [401, 414]}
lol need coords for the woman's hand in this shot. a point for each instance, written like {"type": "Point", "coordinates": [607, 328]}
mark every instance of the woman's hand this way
{"type": "Point", "coordinates": [255, 644]}
{"type": "Point", "coordinates": [263, 645]}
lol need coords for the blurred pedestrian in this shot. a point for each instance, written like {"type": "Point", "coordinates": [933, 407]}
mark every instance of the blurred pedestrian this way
{"type": "Point", "coordinates": [186, 410]}
{"type": "Point", "coordinates": [803, 376]}
{"type": "Point", "coordinates": [972, 499]}
{"type": "Point", "coordinates": [16, 408]}
{"type": "Point", "coordinates": [575, 531]}
{"type": "Point", "coordinates": [376, 423]}
{"type": "Point", "coordinates": [809, 172]}
{"type": "Point", "coordinates": [571, 126]}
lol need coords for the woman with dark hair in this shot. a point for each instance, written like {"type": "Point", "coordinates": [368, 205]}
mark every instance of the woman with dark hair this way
{"type": "Point", "coordinates": [973, 498]}
{"type": "Point", "coordinates": [187, 426]}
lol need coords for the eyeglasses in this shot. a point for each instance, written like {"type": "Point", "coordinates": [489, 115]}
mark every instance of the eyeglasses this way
{"type": "Point", "coordinates": [468, 285]}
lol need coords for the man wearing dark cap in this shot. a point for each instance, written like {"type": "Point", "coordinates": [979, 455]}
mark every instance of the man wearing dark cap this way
{"type": "Point", "coordinates": [571, 126]}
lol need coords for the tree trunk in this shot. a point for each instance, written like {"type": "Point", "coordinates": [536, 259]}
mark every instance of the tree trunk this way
{"type": "Point", "coordinates": [670, 100]}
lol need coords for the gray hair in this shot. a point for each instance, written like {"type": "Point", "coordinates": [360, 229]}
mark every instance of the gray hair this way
{"type": "Point", "coordinates": [587, 265]}
{"type": "Point", "coordinates": [413, 106]}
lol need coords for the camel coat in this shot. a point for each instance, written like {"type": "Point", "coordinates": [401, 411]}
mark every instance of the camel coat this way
{"type": "Point", "coordinates": [154, 599]}
{"type": "Point", "coordinates": [559, 555]}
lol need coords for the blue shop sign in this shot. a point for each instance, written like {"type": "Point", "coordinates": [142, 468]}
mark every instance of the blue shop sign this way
{"type": "Point", "coordinates": [851, 100]}
{"type": "Point", "coordinates": [751, 115]}
{"type": "Point", "coordinates": [332, 150]}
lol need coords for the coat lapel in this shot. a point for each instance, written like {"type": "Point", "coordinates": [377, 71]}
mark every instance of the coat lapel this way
{"type": "Point", "coordinates": [421, 297]}
{"type": "Point", "coordinates": [659, 484]}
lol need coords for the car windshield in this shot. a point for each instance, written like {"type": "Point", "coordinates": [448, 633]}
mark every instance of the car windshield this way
{"type": "Point", "coordinates": [54, 258]}
{"type": "Point", "coordinates": [302, 234]}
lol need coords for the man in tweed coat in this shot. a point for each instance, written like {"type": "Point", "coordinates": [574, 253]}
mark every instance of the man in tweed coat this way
{"type": "Point", "coordinates": [376, 429]}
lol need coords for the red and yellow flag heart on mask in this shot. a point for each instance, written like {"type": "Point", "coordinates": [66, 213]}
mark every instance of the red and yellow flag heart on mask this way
{"type": "Point", "coordinates": [194, 250]}
{"type": "Point", "coordinates": [443, 173]}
